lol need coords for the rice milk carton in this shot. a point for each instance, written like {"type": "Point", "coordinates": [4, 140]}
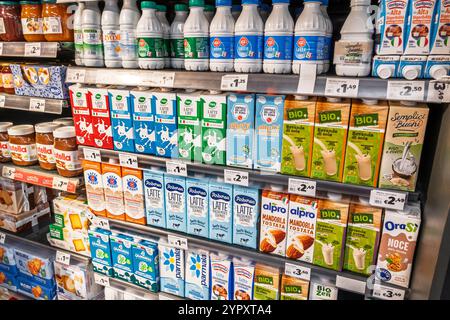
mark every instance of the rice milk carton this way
{"type": "Point", "coordinates": [330, 136]}
{"type": "Point", "coordinates": [197, 274]}
{"type": "Point", "coordinates": [220, 211]}
{"type": "Point", "coordinates": [197, 206]}
{"type": "Point", "coordinates": [143, 121]}
{"type": "Point", "coordinates": [121, 119]}
{"type": "Point", "coordinates": [269, 131]}
{"type": "Point", "coordinates": [146, 264]}
{"type": "Point", "coordinates": [365, 142]}
{"type": "Point", "coordinates": [405, 132]}
{"type": "Point", "coordinates": [79, 101]}
{"type": "Point", "coordinates": [94, 187]}
{"type": "Point", "coordinates": [440, 37]}
{"type": "Point", "coordinates": [245, 216]}
{"type": "Point", "coordinates": [419, 27]}
{"type": "Point", "coordinates": [221, 277]}
{"type": "Point", "coordinates": [301, 228]}
{"type": "Point", "coordinates": [175, 196]}
{"type": "Point", "coordinates": [133, 195]}
{"type": "Point", "coordinates": [101, 251]}
{"type": "Point", "coordinates": [267, 283]}
{"type": "Point", "coordinates": [214, 127]}
{"type": "Point", "coordinates": [113, 187]}
{"type": "Point", "coordinates": [397, 245]}
{"type": "Point", "coordinates": [298, 136]}
{"type": "Point", "coordinates": [240, 130]}
{"type": "Point", "coordinates": [189, 109]}
{"type": "Point", "coordinates": [293, 288]}
{"type": "Point", "coordinates": [171, 269]}
{"type": "Point", "coordinates": [331, 226]}
{"type": "Point", "coordinates": [154, 198]}
{"type": "Point", "coordinates": [122, 257]}
{"type": "Point", "coordinates": [244, 274]}
{"type": "Point", "coordinates": [274, 215]}
{"type": "Point", "coordinates": [101, 118]}
{"type": "Point", "coordinates": [166, 127]}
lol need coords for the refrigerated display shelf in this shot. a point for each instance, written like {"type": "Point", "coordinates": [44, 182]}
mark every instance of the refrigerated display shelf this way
{"type": "Point", "coordinates": [33, 104]}
{"type": "Point", "coordinates": [31, 49]}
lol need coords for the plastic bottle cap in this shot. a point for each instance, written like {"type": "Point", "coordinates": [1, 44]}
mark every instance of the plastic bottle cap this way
{"type": "Point", "coordinates": [209, 8]}
{"type": "Point", "coordinates": [64, 132]}
{"type": "Point", "coordinates": [280, 1]}
{"type": "Point", "coordinates": [224, 3]}
{"type": "Point", "coordinates": [161, 8]}
{"type": "Point", "coordinates": [5, 125]}
{"type": "Point", "coordinates": [148, 5]}
{"type": "Point", "coordinates": [46, 127]}
{"type": "Point", "coordinates": [386, 71]}
{"type": "Point", "coordinates": [439, 71]}
{"type": "Point", "coordinates": [244, 2]}
{"type": "Point", "coordinates": [21, 130]}
{"type": "Point", "coordinates": [181, 7]}
{"type": "Point", "coordinates": [411, 72]}
{"type": "Point", "coordinates": [196, 3]}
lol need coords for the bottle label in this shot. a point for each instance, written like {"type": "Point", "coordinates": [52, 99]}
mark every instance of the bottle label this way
{"type": "Point", "coordinates": [151, 48]}
{"type": "Point", "coordinates": [2, 26]}
{"type": "Point", "coordinates": [23, 152]}
{"type": "Point", "coordinates": [166, 48]}
{"type": "Point", "coordinates": [52, 25]}
{"type": "Point", "coordinates": [177, 48]}
{"type": "Point", "coordinates": [278, 47]}
{"type": "Point", "coordinates": [78, 40]}
{"type": "Point", "coordinates": [32, 25]}
{"type": "Point", "coordinates": [4, 150]}
{"type": "Point", "coordinates": [92, 43]}
{"type": "Point", "coordinates": [45, 153]}
{"type": "Point", "coordinates": [249, 47]}
{"type": "Point", "coordinates": [67, 160]}
{"type": "Point", "coordinates": [196, 48]}
{"type": "Point", "coordinates": [8, 81]}
{"type": "Point", "coordinates": [353, 53]}
{"type": "Point", "coordinates": [309, 48]}
{"type": "Point", "coordinates": [222, 48]}
{"type": "Point", "coordinates": [128, 45]}
{"type": "Point", "coordinates": [327, 48]}
{"type": "Point", "coordinates": [111, 42]}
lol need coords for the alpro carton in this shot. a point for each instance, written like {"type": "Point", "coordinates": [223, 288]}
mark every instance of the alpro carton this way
{"type": "Point", "coordinates": [175, 196]}
{"type": "Point", "coordinates": [403, 143]}
{"type": "Point", "coordinates": [330, 136]}
{"type": "Point", "coordinates": [397, 245]}
{"type": "Point", "coordinates": [293, 288]}
{"type": "Point", "coordinates": [365, 142]}
{"type": "Point", "coordinates": [269, 131]}
{"type": "Point", "coordinates": [171, 269]}
{"type": "Point", "coordinates": [363, 232]}
{"type": "Point", "coordinates": [298, 136]}
{"type": "Point", "coordinates": [113, 187]}
{"type": "Point", "coordinates": [221, 277]}
{"type": "Point", "coordinates": [121, 119]}
{"type": "Point", "coordinates": [331, 226]}
{"type": "Point", "coordinates": [166, 126]}
{"type": "Point", "coordinates": [143, 120]}
{"type": "Point", "coordinates": [440, 37]}
{"type": "Point", "coordinates": [197, 210]}
{"type": "Point", "coordinates": [154, 198]}
{"type": "Point", "coordinates": [197, 274]}
{"type": "Point", "coordinates": [220, 211]}
{"type": "Point", "coordinates": [79, 101]}
{"type": "Point", "coordinates": [246, 209]}
{"type": "Point", "coordinates": [301, 228]}
{"type": "Point", "coordinates": [122, 257]}
{"type": "Point", "coordinates": [189, 109]}
{"type": "Point", "coordinates": [133, 195]}
{"type": "Point", "coordinates": [94, 187]}
{"type": "Point", "coordinates": [146, 264]}
{"type": "Point", "coordinates": [274, 215]}
{"type": "Point", "coordinates": [240, 130]}
{"type": "Point", "coordinates": [101, 118]}
{"type": "Point", "coordinates": [244, 274]}
{"type": "Point", "coordinates": [267, 283]}
{"type": "Point", "coordinates": [419, 27]}
{"type": "Point", "coordinates": [101, 251]}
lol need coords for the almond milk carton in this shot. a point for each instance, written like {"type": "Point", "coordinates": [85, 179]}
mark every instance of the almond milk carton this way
{"type": "Point", "coordinates": [397, 246]}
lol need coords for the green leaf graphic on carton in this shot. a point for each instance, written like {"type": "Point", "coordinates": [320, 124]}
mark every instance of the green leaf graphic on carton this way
{"type": "Point", "coordinates": [164, 101]}
{"type": "Point", "coordinates": [188, 102]}
{"type": "Point", "coordinates": [143, 266]}
{"type": "Point", "coordinates": [365, 120]}
{"type": "Point", "coordinates": [99, 253]}
{"type": "Point", "coordinates": [212, 104]}
{"type": "Point", "coordinates": [142, 99]}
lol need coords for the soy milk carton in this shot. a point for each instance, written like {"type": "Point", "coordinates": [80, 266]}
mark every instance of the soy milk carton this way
{"type": "Point", "coordinates": [189, 109]}
{"type": "Point", "coordinates": [154, 198]}
{"type": "Point", "coordinates": [197, 274]}
{"type": "Point", "coordinates": [166, 127]}
{"type": "Point", "coordinates": [220, 211]}
{"type": "Point", "coordinates": [197, 207]}
{"type": "Point", "coordinates": [246, 209]}
{"type": "Point", "coordinates": [79, 101]}
{"type": "Point", "coordinates": [269, 131]}
{"type": "Point", "coordinates": [221, 277]}
{"type": "Point", "coordinates": [175, 196]}
{"type": "Point", "coordinates": [244, 274]}
{"type": "Point", "coordinates": [101, 118]}
{"type": "Point", "coordinates": [440, 38]}
{"type": "Point", "coordinates": [171, 269]}
{"type": "Point", "coordinates": [122, 257]}
{"type": "Point", "coordinates": [419, 27]}
{"type": "Point", "coordinates": [240, 130]}
{"type": "Point", "coordinates": [121, 119]}
{"type": "Point", "coordinates": [143, 120]}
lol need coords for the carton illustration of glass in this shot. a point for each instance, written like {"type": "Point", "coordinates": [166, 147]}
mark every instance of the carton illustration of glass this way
{"type": "Point", "coordinates": [189, 109]}
{"type": "Point", "coordinates": [166, 126]}
{"type": "Point", "coordinates": [143, 120]}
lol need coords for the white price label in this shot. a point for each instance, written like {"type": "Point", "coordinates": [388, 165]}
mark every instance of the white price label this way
{"type": "Point", "coordinates": [2, 101]}
{"type": "Point", "coordinates": [388, 293]}
{"type": "Point", "coordinates": [234, 82]}
{"type": "Point", "coordinates": [297, 271]}
{"type": "Point", "coordinates": [32, 49]}
{"type": "Point", "coordinates": [101, 279]}
{"type": "Point", "coordinates": [388, 199]}
{"type": "Point", "coordinates": [302, 187]}
{"type": "Point", "coordinates": [128, 160]}
{"type": "Point", "coordinates": [101, 223]}
{"type": "Point", "coordinates": [37, 105]}
{"type": "Point", "coordinates": [438, 92]}
{"type": "Point", "coordinates": [349, 284]}
{"type": "Point", "coordinates": [323, 292]}
{"type": "Point", "coordinates": [2, 238]}
{"type": "Point", "coordinates": [75, 75]}
{"type": "Point", "coordinates": [236, 177]}
{"type": "Point", "coordinates": [60, 183]}
{"type": "Point", "coordinates": [406, 90]}
{"type": "Point", "coordinates": [1, 48]}
{"type": "Point", "coordinates": [176, 168]}
{"type": "Point", "coordinates": [178, 242]}
{"type": "Point", "coordinates": [8, 172]}
{"type": "Point", "coordinates": [63, 258]}
{"type": "Point", "coordinates": [92, 155]}
{"type": "Point", "coordinates": [342, 87]}
{"type": "Point", "coordinates": [307, 79]}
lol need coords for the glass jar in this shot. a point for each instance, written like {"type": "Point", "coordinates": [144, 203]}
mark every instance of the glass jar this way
{"type": "Point", "coordinates": [5, 154]}
{"type": "Point", "coordinates": [68, 162]}
{"type": "Point", "coordinates": [10, 27]}
{"type": "Point", "coordinates": [22, 144]}
{"type": "Point", "coordinates": [7, 80]}
{"type": "Point", "coordinates": [31, 17]}
{"type": "Point", "coordinates": [44, 144]}
{"type": "Point", "coordinates": [64, 121]}
{"type": "Point", "coordinates": [55, 17]}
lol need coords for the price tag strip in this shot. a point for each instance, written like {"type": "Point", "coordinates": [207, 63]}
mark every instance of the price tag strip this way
{"type": "Point", "coordinates": [75, 75]}
{"type": "Point", "coordinates": [438, 92]}
{"type": "Point", "coordinates": [32, 49]}
{"type": "Point", "coordinates": [101, 279]}
{"type": "Point", "coordinates": [342, 87]}
{"type": "Point", "coordinates": [388, 199]}
{"type": "Point", "coordinates": [176, 168]}
{"type": "Point", "coordinates": [128, 160]}
{"type": "Point", "coordinates": [92, 155]}
{"type": "Point", "coordinates": [236, 177]}
{"type": "Point", "coordinates": [37, 105]}
{"type": "Point", "coordinates": [323, 292]}
{"type": "Point", "coordinates": [2, 101]}
{"type": "Point", "coordinates": [297, 271]}
{"type": "Point", "coordinates": [178, 242]}
{"type": "Point", "coordinates": [349, 284]}
{"type": "Point", "coordinates": [160, 79]}
{"type": "Point", "coordinates": [63, 258]}
{"type": "Point", "coordinates": [8, 172]}
{"type": "Point", "coordinates": [302, 187]}
{"type": "Point", "coordinates": [388, 293]}
{"type": "Point", "coordinates": [234, 82]}
{"type": "Point", "coordinates": [60, 183]}
{"type": "Point", "coordinates": [406, 90]}
{"type": "Point", "coordinates": [307, 79]}
{"type": "Point", "coordinates": [2, 238]}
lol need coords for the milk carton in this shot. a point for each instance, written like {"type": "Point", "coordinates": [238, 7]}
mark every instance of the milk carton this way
{"type": "Point", "coordinates": [79, 101]}
{"type": "Point", "coordinates": [419, 27]}
{"type": "Point", "coordinates": [240, 130]}
{"type": "Point", "coordinates": [143, 121]}
{"type": "Point", "coordinates": [412, 67]}
{"type": "Point", "coordinates": [267, 283]}
{"type": "Point", "coordinates": [437, 66]}
{"type": "Point", "coordinates": [166, 132]}
{"type": "Point", "coordinates": [146, 264]}
{"type": "Point", "coordinates": [397, 245]}
{"type": "Point", "coordinates": [385, 67]}
{"type": "Point", "coordinates": [221, 277]}
{"type": "Point", "coordinates": [175, 196]}
{"type": "Point", "coordinates": [298, 136]}
{"type": "Point", "coordinates": [197, 275]}
{"type": "Point", "coordinates": [365, 142]}
{"type": "Point", "coordinates": [244, 274]}
{"type": "Point", "coordinates": [220, 211]}
{"type": "Point", "coordinates": [189, 109]}
{"type": "Point", "coordinates": [274, 215]}
{"type": "Point", "coordinates": [93, 180]}
{"type": "Point", "coordinates": [330, 233]}
{"type": "Point", "coordinates": [293, 288]}
{"type": "Point", "coordinates": [269, 131]}
{"type": "Point", "coordinates": [101, 251]}
{"type": "Point", "coordinates": [330, 136]}
{"type": "Point", "coordinates": [113, 187]}
{"type": "Point", "coordinates": [402, 149]}
{"type": "Point", "coordinates": [363, 232]}
{"type": "Point", "coordinates": [101, 118]}
{"type": "Point", "coordinates": [154, 198]}
{"type": "Point", "coordinates": [121, 119]}
{"type": "Point", "coordinates": [301, 228]}
{"type": "Point", "coordinates": [171, 269]}
{"type": "Point", "coordinates": [245, 216]}
{"type": "Point", "coordinates": [440, 37]}
{"type": "Point", "coordinates": [122, 257]}
{"type": "Point", "coordinates": [197, 195]}
{"type": "Point", "coordinates": [214, 127]}
{"type": "Point", "coordinates": [133, 195]}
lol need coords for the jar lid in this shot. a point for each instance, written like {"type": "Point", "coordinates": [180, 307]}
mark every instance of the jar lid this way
{"type": "Point", "coordinates": [8, 3]}
{"type": "Point", "coordinates": [5, 125]}
{"type": "Point", "coordinates": [35, 2]}
{"type": "Point", "coordinates": [46, 127]}
{"type": "Point", "coordinates": [64, 132]}
{"type": "Point", "coordinates": [21, 130]}
{"type": "Point", "coordinates": [64, 121]}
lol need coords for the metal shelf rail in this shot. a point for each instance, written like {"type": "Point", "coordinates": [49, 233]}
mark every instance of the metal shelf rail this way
{"type": "Point", "coordinates": [29, 49]}
{"type": "Point", "coordinates": [33, 104]}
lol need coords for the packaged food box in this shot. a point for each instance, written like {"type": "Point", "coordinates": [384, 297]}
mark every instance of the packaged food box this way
{"type": "Point", "coordinates": [26, 220]}
{"type": "Point", "coordinates": [71, 212]}
{"type": "Point", "coordinates": [35, 264]}
{"type": "Point", "coordinates": [7, 261]}
{"type": "Point", "coordinates": [35, 290]}
{"type": "Point", "coordinates": [8, 280]}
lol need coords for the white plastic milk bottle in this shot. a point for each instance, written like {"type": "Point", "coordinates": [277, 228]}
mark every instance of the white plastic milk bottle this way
{"type": "Point", "coordinates": [78, 34]}
{"type": "Point", "coordinates": [222, 38]}
{"type": "Point", "coordinates": [92, 35]}
{"type": "Point", "coordinates": [161, 14]}
{"type": "Point", "coordinates": [129, 17]}
{"type": "Point", "coordinates": [149, 32]}
{"type": "Point", "coordinates": [196, 38]}
{"type": "Point", "coordinates": [111, 34]}
{"type": "Point", "coordinates": [278, 39]}
{"type": "Point", "coordinates": [177, 36]}
{"type": "Point", "coordinates": [329, 37]}
{"type": "Point", "coordinates": [248, 38]}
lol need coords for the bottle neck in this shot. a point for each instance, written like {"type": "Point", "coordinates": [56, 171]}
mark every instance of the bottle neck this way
{"type": "Point", "coordinates": [249, 8]}
{"type": "Point", "coordinates": [280, 7]}
{"type": "Point", "coordinates": [223, 9]}
{"type": "Point", "coordinates": [180, 14]}
{"type": "Point", "coordinates": [130, 4]}
{"type": "Point", "coordinates": [197, 9]}
{"type": "Point", "coordinates": [148, 12]}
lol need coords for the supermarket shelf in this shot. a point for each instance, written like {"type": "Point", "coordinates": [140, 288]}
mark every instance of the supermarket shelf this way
{"type": "Point", "coordinates": [6, 294]}
{"type": "Point", "coordinates": [29, 49]}
{"type": "Point", "coordinates": [34, 104]}
{"type": "Point", "coordinates": [35, 175]}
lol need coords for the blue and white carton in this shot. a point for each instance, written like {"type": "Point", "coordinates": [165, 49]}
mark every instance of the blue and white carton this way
{"type": "Point", "coordinates": [143, 121]}
{"type": "Point", "coordinates": [197, 274]}
{"type": "Point", "coordinates": [244, 274]}
{"type": "Point", "coordinates": [220, 211]}
{"type": "Point", "coordinates": [440, 38]}
{"type": "Point", "coordinates": [419, 27]}
{"type": "Point", "coordinates": [385, 67]}
{"type": "Point", "coordinates": [121, 119]}
{"type": "Point", "coordinates": [175, 195]}
{"type": "Point", "coordinates": [155, 208]}
{"type": "Point", "coordinates": [245, 216]}
{"type": "Point", "coordinates": [171, 269]}
{"type": "Point", "coordinates": [412, 67]}
{"type": "Point", "coordinates": [146, 264]}
{"type": "Point", "coordinates": [437, 67]}
{"type": "Point", "coordinates": [122, 257]}
{"type": "Point", "coordinates": [221, 277]}
{"type": "Point", "coordinates": [101, 251]}
{"type": "Point", "coordinates": [166, 127]}
{"type": "Point", "coordinates": [197, 196]}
